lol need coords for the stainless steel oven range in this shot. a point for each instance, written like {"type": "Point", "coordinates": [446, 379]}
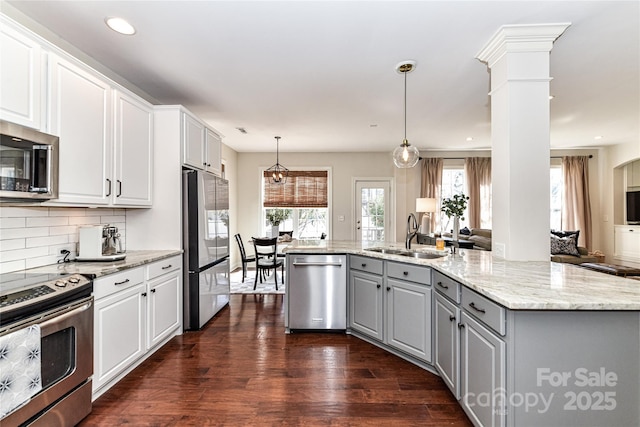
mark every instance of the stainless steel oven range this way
{"type": "Point", "coordinates": [60, 307]}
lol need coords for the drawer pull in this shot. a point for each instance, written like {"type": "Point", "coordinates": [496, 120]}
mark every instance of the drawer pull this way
{"type": "Point", "coordinates": [406, 273]}
{"type": "Point", "coordinates": [472, 305]}
{"type": "Point", "coordinates": [364, 265]}
{"type": "Point", "coordinates": [122, 283]}
{"type": "Point", "coordinates": [167, 266]}
{"type": "Point", "coordinates": [443, 286]}
{"type": "Point", "coordinates": [452, 317]}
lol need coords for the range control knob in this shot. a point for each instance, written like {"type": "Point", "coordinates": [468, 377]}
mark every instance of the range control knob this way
{"type": "Point", "coordinates": [61, 283]}
{"type": "Point", "coordinates": [74, 280]}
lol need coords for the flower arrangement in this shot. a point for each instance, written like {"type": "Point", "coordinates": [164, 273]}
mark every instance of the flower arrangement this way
{"type": "Point", "coordinates": [276, 216]}
{"type": "Point", "coordinates": [455, 206]}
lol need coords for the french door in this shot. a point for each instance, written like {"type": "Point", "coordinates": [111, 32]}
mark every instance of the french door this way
{"type": "Point", "coordinates": [373, 210]}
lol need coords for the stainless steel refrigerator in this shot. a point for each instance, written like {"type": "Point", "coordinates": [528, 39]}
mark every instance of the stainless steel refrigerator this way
{"type": "Point", "coordinates": [206, 246]}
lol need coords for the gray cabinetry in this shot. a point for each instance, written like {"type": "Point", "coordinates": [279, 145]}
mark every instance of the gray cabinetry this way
{"type": "Point", "coordinates": [365, 303]}
{"type": "Point", "coordinates": [408, 326]}
{"type": "Point", "coordinates": [391, 303]}
{"type": "Point", "coordinates": [447, 342]}
{"type": "Point", "coordinates": [482, 373]}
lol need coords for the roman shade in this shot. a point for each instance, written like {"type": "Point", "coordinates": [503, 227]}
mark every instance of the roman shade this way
{"type": "Point", "coordinates": [303, 189]}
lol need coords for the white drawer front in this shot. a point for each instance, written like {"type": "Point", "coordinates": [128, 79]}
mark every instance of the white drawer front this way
{"type": "Point", "coordinates": [113, 283]}
{"type": "Point", "coordinates": [492, 314]}
{"type": "Point", "coordinates": [163, 267]}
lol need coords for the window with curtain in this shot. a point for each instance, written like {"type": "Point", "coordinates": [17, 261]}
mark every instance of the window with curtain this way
{"type": "Point", "coordinates": [306, 194]}
{"type": "Point", "coordinates": [453, 182]}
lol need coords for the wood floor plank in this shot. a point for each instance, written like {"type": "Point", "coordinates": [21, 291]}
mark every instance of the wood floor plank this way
{"type": "Point", "coordinates": [242, 369]}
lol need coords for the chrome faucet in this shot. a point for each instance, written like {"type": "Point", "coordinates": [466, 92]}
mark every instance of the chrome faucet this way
{"type": "Point", "coordinates": [411, 233]}
{"type": "Point", "coordinates": [454, 244]}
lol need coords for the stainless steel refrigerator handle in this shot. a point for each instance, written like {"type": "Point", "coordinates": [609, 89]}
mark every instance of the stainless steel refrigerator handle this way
{"type": "Point", "coordinates": [302, 264]}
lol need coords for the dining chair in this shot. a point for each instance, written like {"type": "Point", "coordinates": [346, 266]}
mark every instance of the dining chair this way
{"type": "Point", "coordinates": [266, 250]}
{"type": "Point", "coordinates": [245, 258]}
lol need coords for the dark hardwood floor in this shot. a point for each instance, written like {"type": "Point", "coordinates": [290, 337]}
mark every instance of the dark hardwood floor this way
{"type": "Point", "coordinates": [242, 369]}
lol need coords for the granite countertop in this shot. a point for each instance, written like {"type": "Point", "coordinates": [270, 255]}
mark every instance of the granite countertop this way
{"type": "Point", "coordinates": [517, 285]}
{"type": "Point", "coordinates": [99, 269]}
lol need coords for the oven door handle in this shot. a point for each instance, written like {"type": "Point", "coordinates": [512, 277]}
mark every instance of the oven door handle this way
{"type": "Point", "coordinates": [57, 317]}
{"type": "Point", "coordinates": [52, 317]}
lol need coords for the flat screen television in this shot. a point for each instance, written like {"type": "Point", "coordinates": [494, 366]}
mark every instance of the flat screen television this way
{"type": "Point", "coordinates": [633, 207]}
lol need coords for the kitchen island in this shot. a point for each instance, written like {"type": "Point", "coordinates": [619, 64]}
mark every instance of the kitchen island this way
{"type": "Point", "coordinates": [518, 343]}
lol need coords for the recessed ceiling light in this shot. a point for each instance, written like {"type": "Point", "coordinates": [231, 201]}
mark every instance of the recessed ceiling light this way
{"type": "Point", "coordinates": [373, 125]}
{"type": "Point", "coordinates": [469, 139]}
{"type": "Point", "coordinates": [551, 97]}
{"type": "Point", "coordinates": [241, 129]}
{"type": "Point", "coordinates": [119, 25]}
{"type": "Point", "coordinates": [598, 137]}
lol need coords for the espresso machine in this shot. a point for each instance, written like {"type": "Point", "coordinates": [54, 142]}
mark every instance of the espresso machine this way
{"type": "Point", "coordinates": [99, 243]}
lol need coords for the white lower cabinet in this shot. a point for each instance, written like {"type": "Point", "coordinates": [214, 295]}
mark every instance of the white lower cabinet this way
{"type": "Point", "coordinates": [135, 311]}
{"type": "Point", "coordinates": [366, 303]}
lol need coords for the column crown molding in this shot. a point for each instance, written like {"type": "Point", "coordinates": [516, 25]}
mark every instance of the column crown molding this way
{"type": "Point", "coordinates": [520, 38]}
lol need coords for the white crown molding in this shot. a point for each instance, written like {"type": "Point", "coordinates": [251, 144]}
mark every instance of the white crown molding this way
{"type": "Point", "coordinates": [521, 38]}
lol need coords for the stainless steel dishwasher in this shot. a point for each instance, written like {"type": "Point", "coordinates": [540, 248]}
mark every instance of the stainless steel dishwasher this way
{"type": "Point", "coordinates": [316, 292]}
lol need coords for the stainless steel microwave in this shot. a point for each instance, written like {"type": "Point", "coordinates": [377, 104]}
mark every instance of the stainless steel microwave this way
{"type": "Point", "coordinates": [28, 163]}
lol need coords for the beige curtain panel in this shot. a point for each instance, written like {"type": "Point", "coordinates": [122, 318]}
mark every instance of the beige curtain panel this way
{"type": "Point", "coordinates": [431, 185]}
{"type": "Point", "coordinates": [576, 208]}
{"type": "Point", "coordinates": [478, 173]}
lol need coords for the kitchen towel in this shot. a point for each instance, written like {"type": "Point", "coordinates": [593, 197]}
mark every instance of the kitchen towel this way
{"type": "Point", "coordinates": [19, 368]}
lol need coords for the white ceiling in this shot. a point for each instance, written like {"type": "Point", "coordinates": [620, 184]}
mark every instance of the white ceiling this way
{"type": "Point", "coordinates": [322, 74]}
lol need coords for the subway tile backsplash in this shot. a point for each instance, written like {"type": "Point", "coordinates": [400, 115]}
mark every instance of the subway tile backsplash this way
{"type": "Point", "coordinates": [34, 236]}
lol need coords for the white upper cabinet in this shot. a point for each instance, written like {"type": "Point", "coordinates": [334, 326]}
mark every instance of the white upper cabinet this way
{"type": "Point", "coordinates": [133, 155]}
{"type": "Point", "coordinates": [193, 142]}
{"type": "Point", "coordinates": [212, 152]}
{"type": "Point", "coordinates": [200, 145]}
{"type": "Point", "coordinates": [21, 76]}
{"type": "Point", "coordinates": [80, 114]}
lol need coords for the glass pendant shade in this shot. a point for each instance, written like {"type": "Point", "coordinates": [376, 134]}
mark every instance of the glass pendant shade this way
{"type": "Point", "coordinates": [405, 155]}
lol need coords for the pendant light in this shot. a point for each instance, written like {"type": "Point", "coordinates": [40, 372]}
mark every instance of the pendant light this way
{"type": "Point", "coordinates": [405, 155]}
{"type": "Point", "coordinates": [278, 172]}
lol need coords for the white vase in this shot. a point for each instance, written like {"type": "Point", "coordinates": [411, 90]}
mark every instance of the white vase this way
{"type": "Point", "coordinates": [456, 228]}
{"type": "Point", "coordinates": [274, 230]}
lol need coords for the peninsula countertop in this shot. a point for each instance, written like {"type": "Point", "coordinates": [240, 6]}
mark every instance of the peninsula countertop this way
{"type": "Point", "coordinates": [517, 285]}
{"type": "Point", "coordinates": [99, 269]}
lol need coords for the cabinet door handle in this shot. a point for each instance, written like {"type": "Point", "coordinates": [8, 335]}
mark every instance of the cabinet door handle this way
{"type": "Point", "coordinates": [109, 190]}
{"type": "Point", "coordinates": [144, 294]}
{"type": "Point", "coordinates": [443, 286]}
{"type": "Point", "coordinates": [388, 288]}
{"type": "Point", "coordinates": [153, 291]}
{"type": "Point", "coordinates": [119, 188]}
{"type": "Point", "coordinates": [460, 325]}
{"type": "Point", "coordinates": [378, 286]}
{"type": "Point", "coordinates": [166, 266]}
{"type": "Point", "coordinates": [452, 317]}
{"type": "Point", "coordinates": [473, 305]}
{"type": "Point", "coordinates": [406, 273]}
{"type": "Point", "coordinates": [204, 164]}
{"type": "Point", "coordinates": [122, 283]}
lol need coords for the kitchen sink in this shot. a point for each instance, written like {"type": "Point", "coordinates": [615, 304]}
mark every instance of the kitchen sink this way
{"type": "Point", "coordinates": [411, 254]}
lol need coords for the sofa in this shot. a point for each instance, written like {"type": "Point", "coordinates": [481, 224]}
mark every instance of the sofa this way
{"type": "Point", "coordinates": [481, 238]}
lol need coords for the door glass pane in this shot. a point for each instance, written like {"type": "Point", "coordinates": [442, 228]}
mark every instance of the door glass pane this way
{"type": "Point", "coordinates": [373, 214]}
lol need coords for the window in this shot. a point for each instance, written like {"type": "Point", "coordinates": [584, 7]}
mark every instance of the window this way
{"type": "Point", "coordinates": [555, 191]}
{"type": "Point", "coordinates": [305, 195]}
{"type": "Point", "coordinates": [453, 182]}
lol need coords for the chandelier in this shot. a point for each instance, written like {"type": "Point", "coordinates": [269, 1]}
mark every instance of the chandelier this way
{"type": "Point", "coordinates": [405, 155]}
{"type": "Point", "coordinates": [278, 172]}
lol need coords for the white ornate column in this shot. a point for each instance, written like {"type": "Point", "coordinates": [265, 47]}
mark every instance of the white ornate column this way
{"type": "Point", "coordinates": [518, 57]}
